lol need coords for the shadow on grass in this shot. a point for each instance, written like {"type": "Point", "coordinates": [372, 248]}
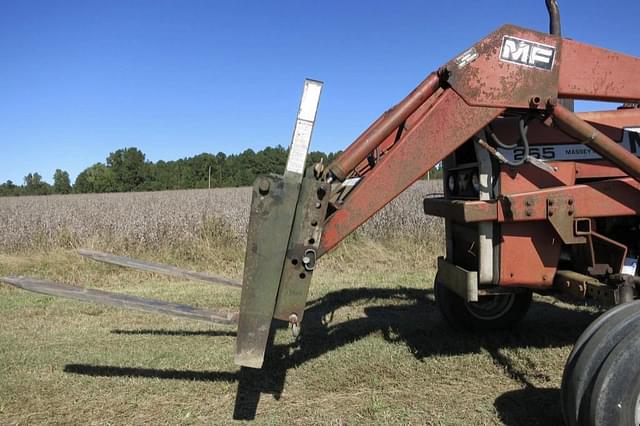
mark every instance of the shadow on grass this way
{"type": "Point", "coordinates": [530, 406]}
{"type": "Point", "coordinates": [403, 315]}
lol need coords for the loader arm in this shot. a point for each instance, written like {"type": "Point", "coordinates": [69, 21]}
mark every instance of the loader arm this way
{"type": "Point", "coordinates": [512, 69]}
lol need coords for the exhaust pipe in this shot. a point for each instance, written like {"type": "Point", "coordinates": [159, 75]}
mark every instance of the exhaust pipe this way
{"type": "Point", "coordinates": [554, 17]}
{"type": "Point", "coordinates": [556, 29]}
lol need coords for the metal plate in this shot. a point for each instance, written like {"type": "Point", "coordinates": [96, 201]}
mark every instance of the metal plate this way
{"type": "Point", "coordinates": [491, 81]}
{"type": "Point", "coordinates": [462, 282]}
{"type": "Point", "coordinates": [304, 242]}
{"type": "Point", "coordinates": [272, 209]}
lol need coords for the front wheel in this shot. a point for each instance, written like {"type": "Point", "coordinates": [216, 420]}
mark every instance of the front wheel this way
{"type": "Point", "coordinates": [488, 313]}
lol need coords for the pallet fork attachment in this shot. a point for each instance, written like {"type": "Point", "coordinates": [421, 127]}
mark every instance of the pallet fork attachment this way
{"type": "Point", "coordinates": [124, 301]}
{"type": "Point", "coordinates": [158, 268]}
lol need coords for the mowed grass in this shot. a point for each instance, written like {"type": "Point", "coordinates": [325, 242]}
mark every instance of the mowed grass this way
{"type": "Point", "coordinates": [373, 349]}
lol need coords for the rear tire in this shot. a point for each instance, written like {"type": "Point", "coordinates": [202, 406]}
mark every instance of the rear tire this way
{"type": "Point", "coordinates": [620, 310]}
{"type": "Point", "coordinates": [489, 313]}
{"type": "Point", "coordinates": [589, 357]}
{"type": "Point", "coordinates": [615, 400]}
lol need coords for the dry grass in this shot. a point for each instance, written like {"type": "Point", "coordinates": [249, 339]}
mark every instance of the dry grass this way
{"type": "Point", "coordinates": [373, 348]}
{"type": "Point", "coordinates": [157, 220]}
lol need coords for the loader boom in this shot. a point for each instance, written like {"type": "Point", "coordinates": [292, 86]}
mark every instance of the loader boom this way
{"type": "Point", "coordinates": [477, 86]}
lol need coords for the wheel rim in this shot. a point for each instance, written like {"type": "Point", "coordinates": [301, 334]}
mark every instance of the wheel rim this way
{"type": "Point", "coordinates": [492, 307]}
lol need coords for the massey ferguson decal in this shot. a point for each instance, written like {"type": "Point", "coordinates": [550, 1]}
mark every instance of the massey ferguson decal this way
{"type": "Point", "coordinates": [573, 152]}
{"type": "Point", "coordinates": [527, 53]}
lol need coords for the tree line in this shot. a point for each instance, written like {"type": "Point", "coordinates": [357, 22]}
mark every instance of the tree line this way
{"type": "Point", "coordinates": [128, 169]}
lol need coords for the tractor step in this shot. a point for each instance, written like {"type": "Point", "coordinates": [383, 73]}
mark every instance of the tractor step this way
{"type": "Point", "coordinates": [158, 268]}
{"type": "Point", "coordinates": [120, 300]}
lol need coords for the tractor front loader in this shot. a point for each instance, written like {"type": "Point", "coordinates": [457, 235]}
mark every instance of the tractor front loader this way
{"type": "Point", "coordinates": [537, 198]}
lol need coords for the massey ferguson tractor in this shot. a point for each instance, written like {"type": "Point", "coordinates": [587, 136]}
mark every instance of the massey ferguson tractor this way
{"type": "Point", "coordinates": [537, 198]}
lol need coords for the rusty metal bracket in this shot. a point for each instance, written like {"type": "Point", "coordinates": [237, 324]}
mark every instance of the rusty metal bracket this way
{"type": "Point", "coordinates": [583, 287]}
{"type": "Point", "coordinates": [560, 213]}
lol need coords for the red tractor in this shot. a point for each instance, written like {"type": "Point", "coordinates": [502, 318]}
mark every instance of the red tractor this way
{"type": "Point", "coordinates": [537, 198]}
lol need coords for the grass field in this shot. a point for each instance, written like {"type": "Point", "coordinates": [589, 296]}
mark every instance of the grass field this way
{"type": "Point", "coordinates": [373, 347]}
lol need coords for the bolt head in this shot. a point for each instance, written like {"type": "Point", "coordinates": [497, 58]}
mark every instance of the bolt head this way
{"type": "Point", "coordinates": [264, 186]}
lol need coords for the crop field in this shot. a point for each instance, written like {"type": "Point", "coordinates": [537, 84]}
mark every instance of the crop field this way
{"type": "Point", "coordinates": [373, 347]}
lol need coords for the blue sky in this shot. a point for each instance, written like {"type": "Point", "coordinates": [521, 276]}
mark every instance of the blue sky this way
{"type": "Point", "coordinates": [80, 79]}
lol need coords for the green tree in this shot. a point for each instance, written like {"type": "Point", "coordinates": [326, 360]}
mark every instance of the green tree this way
{"type": "Point", "coordinates": [61, 182]}
{"type": "Point", "coordinates": [127, 170]}
{"type": "Point", "coordinates": [128, 167]}
{"type": "Point", "coordinates": [97, 178]}
{"type": "Point", "coordinates": [9, 188]}
{"type": "Point", "coordinates": [34, 185]}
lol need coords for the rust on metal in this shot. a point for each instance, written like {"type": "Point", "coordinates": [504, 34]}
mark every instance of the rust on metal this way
{"type": "Point", "coordinates": [492, 82]}
{"type": "Point", "coordinates": [368, 141]}
{"type": "Point", "coordinates": [539, 133]}
{"type": "Point", "coordinates": [444, 128]}
{"type": "Point", "coordinates": [123, 301]}
{"type": "Point", "coordinates": [561, 215]}
{"type": "Point", "coordinates": [592, 73]}
{"type": "Point", "coordinates": [583, 286]}
{"type": "Point", "coordinates": [612, 197]}
{"type": "Point", "coordinates": [573, 283]}
{"type": "Point", "coordinates": [391, 141]}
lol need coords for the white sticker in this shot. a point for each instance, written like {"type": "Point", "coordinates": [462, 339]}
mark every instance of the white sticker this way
{"type": "Point", "coordinates": [466, 57]}
{"type": "Point", "coordinates": [528, 53]}
{"type": "Point", "coordinates": [304, 126]}
{"type": "Point", "coordinates": [299, 147]}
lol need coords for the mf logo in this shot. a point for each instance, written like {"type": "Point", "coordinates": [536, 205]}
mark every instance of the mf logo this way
{"type": "Point", "coordinates": [528, 53]}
